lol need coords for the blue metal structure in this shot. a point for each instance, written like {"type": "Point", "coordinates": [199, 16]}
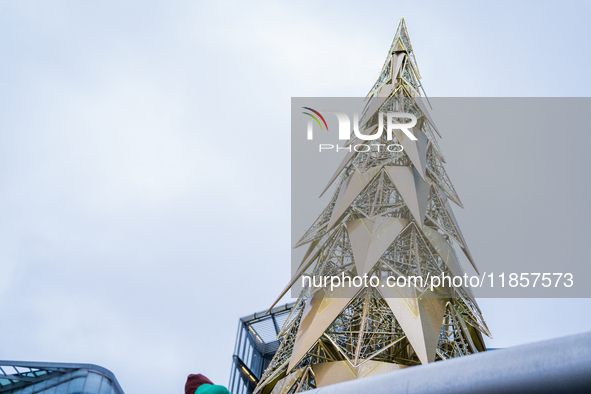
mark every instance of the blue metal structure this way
{"type": "Point", "coordinates": [256, 344]}
{"type": "Point", "coordinates": [26, 377]}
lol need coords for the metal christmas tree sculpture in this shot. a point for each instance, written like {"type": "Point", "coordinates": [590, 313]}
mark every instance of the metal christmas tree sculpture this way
{"type": "Point", "coordinates": [390, 216]}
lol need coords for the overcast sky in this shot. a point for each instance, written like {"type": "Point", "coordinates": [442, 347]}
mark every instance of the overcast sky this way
{"type": "Point", "coordinates": [145, 165]}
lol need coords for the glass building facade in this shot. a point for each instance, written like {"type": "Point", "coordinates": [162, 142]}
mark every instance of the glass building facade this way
{"type": "Point", "coordinates": [24, 377]}
{"type": "Point", "coordinates": [256, 344]}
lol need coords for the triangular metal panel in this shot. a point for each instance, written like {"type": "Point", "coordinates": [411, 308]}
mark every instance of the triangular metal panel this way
{"type": "Point", "coordinates": [447, 254]}
{"type": "Point", "coordinates": [333, 372]}
{"type": "Point", "coordinates": [420, 319]}
{"type": "Point", "coordinates": [284, 385]}
{"type": "Point", "coordinates": [415, 150]}
{"type": "Point", "coordinates": [440, 215]}
{"type": "Point", "coordinates": [372, 105]}
{"type": "Point", "coordinates": [399, 47]}
{"type": "Point", "coordinates": [386, 90]}
{"type": "Point", "coordinates": [413, 189]}
{"type": "Point", "coordinates": [375, 103]}
{"type": "Point", "coordinates": [329, 373]}
{"type": "Point", "coordinates": [370, 238]}
{"type": "Point", "coordinates": [439, 175]}
{"type": "Point", "coordinates": [318, 314]}
{"type": "Point", "coordinates": [425, 111]}
{"type": "Point", "coordinates": [464, 245]}
{"type": "Point", "coordinates": [353, 186]}
{"type": "Point", "coordinates": [343, 164]}
{"type": "Point", "coordinates": [403, 37]}
{"type": "Point", "coordinates": [397, 62]}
